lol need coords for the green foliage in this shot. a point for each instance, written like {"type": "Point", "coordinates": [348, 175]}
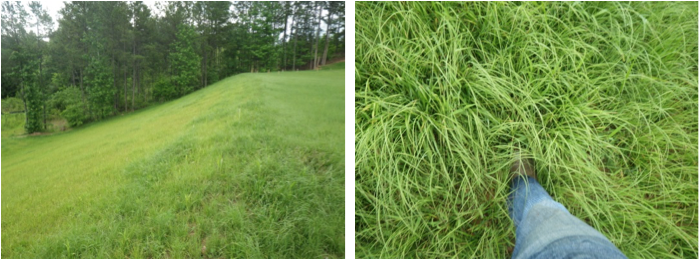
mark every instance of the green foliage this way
{"type": "Point", "coordinates": [164, 90]}
{"type": "Point", "coordinates": [100, 88]}
{"type": "Point", "coordinates": [60, 99]}
{"type": "Point", "coordinates": [69, 103]}
{"type": "Point", "coordinates": [603, 95]}
{"type": "Point", "coordinates": [74, 114]}
{"type": "Point", "coordinates": [254, 43]}
{"type": "Point", "coordinates": [14, 20]}
{"type": "Point", "coordinates": [22, 58]}
{"type": "Point", "coordinates": [185, 62]}
{"type": "Point", "coordinates": [34, 101]}
{"type": "Point", "coordinates": [12, 104]}
{"type": "Point", "coordinates": [25, 69]}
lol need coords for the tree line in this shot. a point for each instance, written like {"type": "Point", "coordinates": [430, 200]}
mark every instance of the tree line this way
{"type": "Point", "coordinates": [111, 57]}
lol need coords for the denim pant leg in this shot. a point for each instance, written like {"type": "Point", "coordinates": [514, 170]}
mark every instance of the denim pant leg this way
{"type": "Point", "coordinates": [545, 229]}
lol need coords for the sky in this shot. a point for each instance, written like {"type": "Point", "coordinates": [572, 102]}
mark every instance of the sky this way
{"type": "Point", "coordinates": [52, 7]}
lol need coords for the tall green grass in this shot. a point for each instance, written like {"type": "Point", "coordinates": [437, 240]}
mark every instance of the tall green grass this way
{"type": "Point", "coordinates": [250, 167]}
{"type": "Point", "coordinates": [337, 65]}
{"type": "Point", "coordinates": [12, 124]}
{"type": "Point", "coordinates": [603, 95]}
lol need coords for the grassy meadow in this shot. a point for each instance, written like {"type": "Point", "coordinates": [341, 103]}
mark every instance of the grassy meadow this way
{"type": "Point", "coordinates": [603, 95]}
{"type": "Point", "coordinates": [249, 167]}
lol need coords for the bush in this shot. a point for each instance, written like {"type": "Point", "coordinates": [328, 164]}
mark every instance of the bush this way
{"type": "Point", "coordinates": [99, 81]}
{"type": "Point", "coordinates": [74, 114]}
{"type": "Point", "coordinates": [68, 101]}
{"type": "Point", "coordinates": [163, 90]}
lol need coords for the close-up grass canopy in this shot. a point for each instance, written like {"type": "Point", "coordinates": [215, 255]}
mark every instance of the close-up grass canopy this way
{"type": "Point", "coordinates": [603, 96]}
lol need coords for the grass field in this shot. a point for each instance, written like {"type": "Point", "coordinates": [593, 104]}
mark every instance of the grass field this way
{"type": "Point", "coordinates": [12, 125]}
{"type": "Point", "coordinates": [603, 95]}
{"type": "Point", "coordinates": [250, 167]}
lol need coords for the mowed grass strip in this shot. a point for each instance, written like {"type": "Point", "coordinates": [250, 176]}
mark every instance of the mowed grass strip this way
{"type": "Point", "coordinates": [603, 95]}
{"type": "Point", "coordinates": [249, 167]}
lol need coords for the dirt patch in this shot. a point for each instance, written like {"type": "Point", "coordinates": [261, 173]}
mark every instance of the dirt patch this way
{"type": "Point", "coordinates": [54, 125]}
{"type": "Point", "coordinates": [204, 247]}
{"type": "Point", "coordinates": [41, 134]}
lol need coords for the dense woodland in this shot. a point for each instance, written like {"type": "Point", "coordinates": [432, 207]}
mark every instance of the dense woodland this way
{"type": "Point", "coordinates": [112, 57]}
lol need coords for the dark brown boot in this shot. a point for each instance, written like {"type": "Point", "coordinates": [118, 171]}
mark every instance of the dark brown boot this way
{"type": "Point", "coordinates": [523, 165]}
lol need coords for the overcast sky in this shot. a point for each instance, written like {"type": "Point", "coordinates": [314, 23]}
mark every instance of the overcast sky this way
{"type": "Point", "coordinates": [51, 6]}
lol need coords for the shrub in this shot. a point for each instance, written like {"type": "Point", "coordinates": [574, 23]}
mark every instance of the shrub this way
{"type": "Point", "coordinates": [163, 90]}
{"type": "Point", "coordinates": [75, 115]}
{"type": "Point", "coordinates": [68, 101]}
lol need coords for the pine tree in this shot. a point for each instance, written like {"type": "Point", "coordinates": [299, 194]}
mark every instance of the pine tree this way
{"type": "Point", "coordinates": [34, 99]}
{"type": "Point", "coordinates": [26, 71]}
{"type": "Point", "coordinates": [99, 81]}
{"type": "Point", "coordinates": [43, 24]}
{"type": "Point", "coordinates": [185, 62]}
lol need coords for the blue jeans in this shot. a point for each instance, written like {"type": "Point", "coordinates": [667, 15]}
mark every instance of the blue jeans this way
{"type": "Point", "coordinates": [545, 229]}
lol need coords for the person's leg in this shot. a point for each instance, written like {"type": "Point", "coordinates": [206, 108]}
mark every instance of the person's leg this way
{"type": "Point", "coordinates": [526, 193]}
{"type": "Point", "coordinates": [545, 228]}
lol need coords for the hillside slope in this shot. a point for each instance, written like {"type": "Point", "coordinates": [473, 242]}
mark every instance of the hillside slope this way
{"type": "Point", "coordinates": [251, 166]}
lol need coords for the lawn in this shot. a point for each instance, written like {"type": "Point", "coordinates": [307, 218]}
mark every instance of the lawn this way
{"type": "Point", "coordinates": [249, 167]}
{"type": "Point", "coordinates": [603, 95]}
